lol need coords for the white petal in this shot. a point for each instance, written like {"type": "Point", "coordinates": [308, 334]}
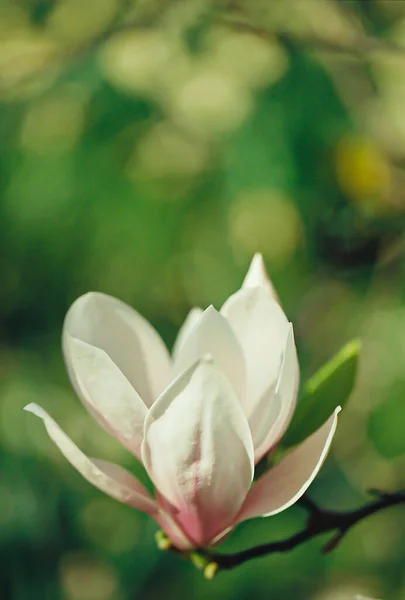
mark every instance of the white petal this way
{"type": "Point", "coordinates": [189, 322]}
{"type": "Point", "coordinates": [128, 339]}
{"type": "Point", "coordinates": [198, 451]}
{"type": "Point", "coordinates": [263, 420]}
{"type": "Point", "coordinates": [283, 485]}
{"type": "Point", "coordinates": [213, 335]}
{"type": "Point", "coordinates": [261, 328]}
{"type": "Point", "coordinates": [110, 479]}
{"type": "Point", "coordinates": [107, 393]}
{"type": "Point", "coordinates": [282, 405]}
{"type": "Point", "coordinates": [257, 276]}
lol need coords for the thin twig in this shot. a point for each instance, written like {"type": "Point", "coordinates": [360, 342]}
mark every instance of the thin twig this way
{"type": "Point", "coordinates": [319, 521]}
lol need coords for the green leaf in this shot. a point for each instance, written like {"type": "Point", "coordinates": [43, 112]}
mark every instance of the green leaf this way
{"type": "Point", "coordinates": [330, 387]}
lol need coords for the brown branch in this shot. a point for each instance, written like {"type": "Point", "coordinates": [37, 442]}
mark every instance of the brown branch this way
{"type": "Point", "coordinates": [319, 521]}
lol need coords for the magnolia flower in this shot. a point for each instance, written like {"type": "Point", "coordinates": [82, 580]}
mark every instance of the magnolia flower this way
{"type": "Point", "coordinates": [200, 420]}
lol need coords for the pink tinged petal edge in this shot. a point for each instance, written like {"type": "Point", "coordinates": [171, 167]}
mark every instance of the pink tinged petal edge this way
{"type": "Point", "coordinates": [128, 339]}
{"type": "Point", "coordinates": [263, 419]}
{"type": "Point", "coordinates": [221, 537]}
{"type": "Point", "coordinates": [257, 276]}
{"type": "Point", "coordinates": [189, 322]}
{"type": "Point", "coordinates": [107, 477]}
{"type": "Point", "coordinates": [212, 334]}
{"type": "Point", "coordinates": [173, 531]}
{"type": "Point", "coordinates": [283, 485]}
{"type": "Point", "coordinates": [198, 451]}
{"type": "Point", "coordinates": [107, 393]}
{"type": "Point", "coordinates": [284, 400]}
{"type": "Point", "coordinates": [169, 525]}
{"type": "Point", "coordinates": [261, 327]}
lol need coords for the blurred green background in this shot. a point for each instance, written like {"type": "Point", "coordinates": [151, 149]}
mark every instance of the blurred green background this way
{"type": "Point", "coordinates": [147, 149]}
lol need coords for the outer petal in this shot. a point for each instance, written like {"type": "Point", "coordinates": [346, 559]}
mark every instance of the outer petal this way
{"type": "Point", "coordinates": [263, 420]}
{"type": "Point", "coordinates": [282, 405]}
{"type": "Point", "coordinates": [213, 335]}
{"type": "Point", "coordinates": [128, 339]}
{"type": "Point", "coordinates": [169, 525]}
{"type": "Point", "coordinates": [198, 451]}
{"type": "Point", "coordinates": [257, 276]}
{"type": "Point", "coordinates": [189, 322]}
{"type": "Point", "coordinates": [261, 328]}
{"type": "Point", "coordinates": [109, 478]}
{"type": "Point", "coordinates": [283, 485]}
{"type": "Point", "coordinates": [107, 393]}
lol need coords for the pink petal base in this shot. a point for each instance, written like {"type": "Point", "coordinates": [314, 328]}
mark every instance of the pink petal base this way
{"type": "Point", "coordinates": [187, 530]}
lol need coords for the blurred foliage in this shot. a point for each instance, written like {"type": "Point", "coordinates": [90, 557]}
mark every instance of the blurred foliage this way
{"type": "Point", "coordinates": [148, 148]}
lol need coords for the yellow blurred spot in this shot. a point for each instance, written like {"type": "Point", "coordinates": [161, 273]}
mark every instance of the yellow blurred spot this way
{"type": "Point", "coordinates": [265, 221]}
{"type": "Point", "coordinates": [166, 152]}
{"type": "Point", "coordinates": [142, 62]}
{"type": "Point", "coordinates": [249, 58]}
{"type": "Point", "coordinates": [210, 101]}
{"type": "Point", "coordinates": [53, 124]}
{"type": "Point", "coordinates": [21, 57]}
{"type": "Point", "coordinates": [82, 577]}
{"type": "Point", "coordinates": [74, 21]}
{"type": "Point", "coordinates": [384, 114]}
{"type": "Point", "coordinates": [363, 172]}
